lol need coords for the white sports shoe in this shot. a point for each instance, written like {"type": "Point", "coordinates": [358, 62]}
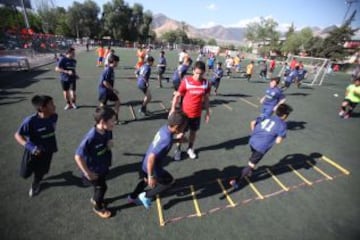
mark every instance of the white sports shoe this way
{"type": "Point", "coordinates": [68, 106]}
{"type": "Point", "coordinates": [73, 105]}
{"type": "Point", "coordinates": [191, 153]}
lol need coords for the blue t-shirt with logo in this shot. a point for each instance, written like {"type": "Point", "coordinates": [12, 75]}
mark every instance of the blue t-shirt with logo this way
{"type": "Point", "coordinates": [67, 64]}
{"type": "Point", "coordinates": [144, 76]}
{"type": "Point", "coordinates": [292, 75]}
{"type": "Point", "coordinates": [95, 151]}
{"type": "Point", "coordinates": [218, 74]}
{"type": "Point", "coordinates": [265, 133]}
{"type": "Point", "coordinates": [272, 97]}
{"type": "Point", "coordinates": [179, 73]}
{"type": "Point", "coordinates": [107, 75]}
{"type": "Point", "coordinates": [160, 147]}
{"type": "Point", "coordinates": [40, 131]}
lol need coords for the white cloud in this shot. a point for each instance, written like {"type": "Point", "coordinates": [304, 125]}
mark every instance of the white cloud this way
{"type": "Point", "coordinates": [208, 25]}
{"type": "Point", "coordinates": [212, 7]}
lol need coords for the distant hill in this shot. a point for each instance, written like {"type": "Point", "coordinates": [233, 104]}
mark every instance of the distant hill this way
{"type": "Point", "coordinates": [161, 24]}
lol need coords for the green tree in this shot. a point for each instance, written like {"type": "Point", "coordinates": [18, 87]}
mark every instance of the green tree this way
{"type": "Point", "coordinates": [169, 36]}
{"type": "Point", "coordinates": [212, 42]}
{"type": "Point", "coordinates": [83, 20]}
{"type": "Point", "coordinates": [264, 33]}
{"type": "Point", "coordinates": [333, 45]}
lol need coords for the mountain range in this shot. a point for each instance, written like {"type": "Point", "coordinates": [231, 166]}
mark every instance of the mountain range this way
{"type": "Point", "coordinates": [162, 24]}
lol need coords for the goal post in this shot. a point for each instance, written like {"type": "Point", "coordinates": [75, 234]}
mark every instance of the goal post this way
{"type": "Point", "coordinates": [316, 69]}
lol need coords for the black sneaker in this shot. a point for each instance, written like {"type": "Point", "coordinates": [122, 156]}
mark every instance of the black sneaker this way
{"type": "Point", "coordinates": [34, 190]}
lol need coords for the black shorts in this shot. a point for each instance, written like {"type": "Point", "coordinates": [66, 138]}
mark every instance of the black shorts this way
{"type": "Point", "coordinates": [350, 103]}
{"type": "Point", "coordinates": [193, 124]}
{"type": "Point", "coordinates": [256, 156]}
{"type": "Point", "coordinates": [143, 89]}
{"type": "Point", "coordinates": [68, 85]}
{"type": "Point", "coordinates": [109, 96]}
{"type": "Point", "coordinates": [161, 71]}
{"type": "Point", "coordinates": [39, 165]}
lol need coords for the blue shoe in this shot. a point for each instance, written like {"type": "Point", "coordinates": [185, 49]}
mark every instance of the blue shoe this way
{"type": "Point", "coordinates": [144, 200]}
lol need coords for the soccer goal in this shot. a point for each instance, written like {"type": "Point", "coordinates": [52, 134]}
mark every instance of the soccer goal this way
{"type": "Point", "coordinates": [316, 69]}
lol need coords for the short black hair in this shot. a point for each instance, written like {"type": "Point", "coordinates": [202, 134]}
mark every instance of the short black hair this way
{"type": "Point", "coordinates": [277, 79]}
{"type": "Point", "coordinates": [150, 59]}
{"type": "Point", "coordinates": [200, 65]}
{"type": "Point", "coordinates": [70, 50]}
{"type": "Point", "coordinates": [103, 113]}
{"type": "Point", "coordinates": [39, 101]}
{"type": "Point", "coordinates": [176, 118]}
{"type": "Point", "coordinates": [114, 58]}
{"type": "Point", "coordinates": [283, 109]}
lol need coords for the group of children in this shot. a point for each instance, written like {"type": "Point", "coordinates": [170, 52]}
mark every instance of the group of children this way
{"type": "Point", "coordinates": [93, 155]}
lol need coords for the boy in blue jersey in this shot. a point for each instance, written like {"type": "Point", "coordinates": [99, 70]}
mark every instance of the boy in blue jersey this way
{"type": "Point", "coordinates": [292, 77]}
{"type": "Point", "coordinates": [218, 74]}
{"type": "Point", "coordinates": [161, 67]}
{"type": "Point", "coordinates": [67, 69]}
{"type": "Point", "coordinates": [152, 173]}
{"type": "Point", "coordinates": [272, 99]}
{"type": "Point", "coordinates": [211, 62]}
{"type": "Point", "coordinates": [93, 157]}
{"type": "Point", "coordinates": [37, 135]}
{"type": "Point", "coordinates": [180, 72]}
{"type": "Point", "coordinates": [107, 92]}
{"type": "Point", "coordinates": [301, 74]}
{"type": "Point", "coordinates": [143, 83]}
{"type": "Point", "coordinates": [265, 132]}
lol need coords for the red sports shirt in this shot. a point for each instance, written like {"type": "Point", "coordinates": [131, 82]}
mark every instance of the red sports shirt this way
{"type": "Point", "coordinates": [193, 92]}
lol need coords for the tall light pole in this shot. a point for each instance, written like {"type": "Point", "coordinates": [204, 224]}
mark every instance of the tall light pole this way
{"type": "Point", "coordinates": [26, 19]}
{"type": "Point", "coordinates": [349, 3]}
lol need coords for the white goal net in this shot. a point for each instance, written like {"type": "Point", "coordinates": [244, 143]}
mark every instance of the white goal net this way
{"type": "Point", "coordinates": [316, 69]}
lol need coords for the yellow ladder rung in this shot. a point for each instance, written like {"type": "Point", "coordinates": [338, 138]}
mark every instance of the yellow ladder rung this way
{"type": "Point", "coordinates": [300, 176]}
{"type": "Point", "coordinates": [319, 170]}
{"type": "Point", "coordinates": [197, 208]}
{"type": "Point", "coordinates": [334, 164]}
{"type": "Point", "coordinates": [277, 180]}
{"type": "Point", "coordinates": [254, 188]}
{"type": "Point", "coordinates": [226, 193]}
{"type": "Point", "coordinates": [161, 216]}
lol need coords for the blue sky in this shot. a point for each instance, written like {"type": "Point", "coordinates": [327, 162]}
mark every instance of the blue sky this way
{"type": "Point", "coordinates": [232, 13]}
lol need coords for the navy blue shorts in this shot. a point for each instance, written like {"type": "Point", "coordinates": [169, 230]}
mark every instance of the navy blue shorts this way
{"type": "Point", "coordinates": [68, 85]}
{"type": "Point", "coordinates": [193, 124]}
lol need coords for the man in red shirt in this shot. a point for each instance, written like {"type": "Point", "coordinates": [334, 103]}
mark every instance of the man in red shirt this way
{"type": "Point", "coordinates": [194, 91]}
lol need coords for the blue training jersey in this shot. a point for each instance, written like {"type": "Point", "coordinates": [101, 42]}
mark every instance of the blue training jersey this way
{"type": "Point", "coordinates": [107, 75]}
{"type": "Point", "coordinates": [179, 73]}
{"type": "Point", "coordinates": [218, 74]}
{"type": "Point", "coordinates": [67, 64]}
{"type": "Point", "coordinates": [291, 77]}
{"type": "Point", "coordinates": [40, 131]}
{"type": "Point", "coordinates": [160, 146]}
{"type": "Point", "coordinates": [273, 96]}
{"type": "Point", "coordinates": [143, 76]}
{"type": "Point", "coordinates": [95, 151]}
{"type": "Point", "coordinates": [162, 61]}
{"type": "Point", "coordinates": [265, 133]}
